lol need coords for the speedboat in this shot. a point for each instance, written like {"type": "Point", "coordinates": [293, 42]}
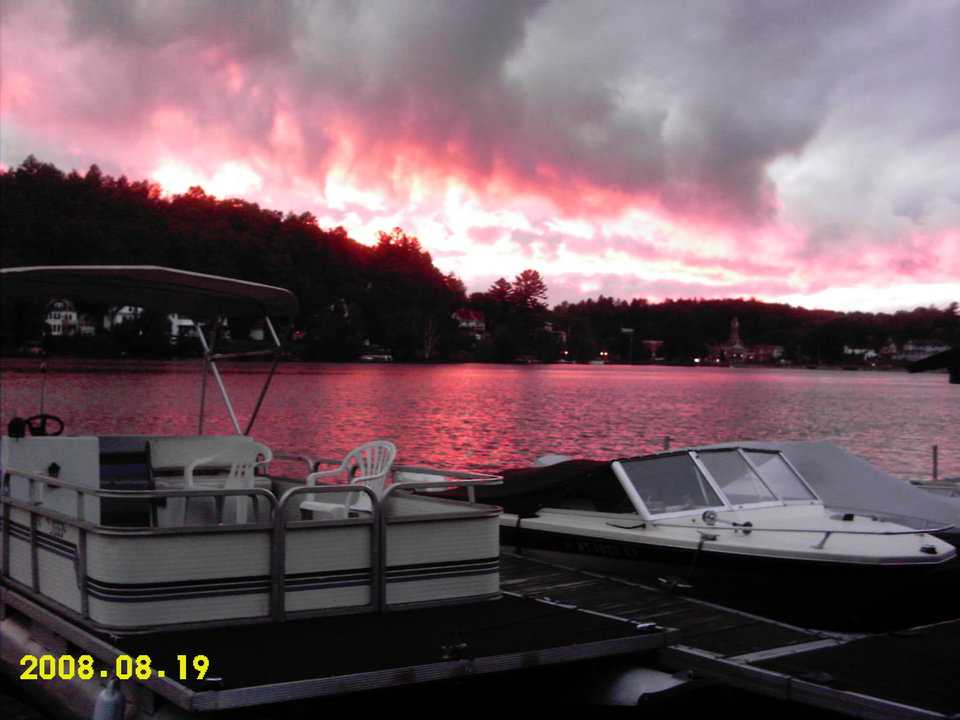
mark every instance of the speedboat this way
{"type": "Point", "coordinates": [213, 571]}
{"type": "Point", "coordinates": [721, 522]}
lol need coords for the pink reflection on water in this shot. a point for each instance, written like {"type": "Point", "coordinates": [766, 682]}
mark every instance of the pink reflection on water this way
{"type": "Point", "coordinates": [489, 417]}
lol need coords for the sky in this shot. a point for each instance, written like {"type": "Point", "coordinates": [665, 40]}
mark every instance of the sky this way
{"type": "Point", "coordinates": [805, 151]}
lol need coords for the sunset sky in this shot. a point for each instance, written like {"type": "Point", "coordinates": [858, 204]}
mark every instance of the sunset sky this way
{"type": "Point", "coordinates": [805, 152]}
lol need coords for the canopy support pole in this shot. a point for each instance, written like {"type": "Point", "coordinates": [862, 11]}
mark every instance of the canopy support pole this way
{"type": "Point", "coordinates": [209, 363]}
{"type": "Point", "coordinates": [276, 359]}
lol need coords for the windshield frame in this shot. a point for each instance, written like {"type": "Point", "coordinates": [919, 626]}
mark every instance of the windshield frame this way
{"type": "Point", "coordinates": [712, 492]}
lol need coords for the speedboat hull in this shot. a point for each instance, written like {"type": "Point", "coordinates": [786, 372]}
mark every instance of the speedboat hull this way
{"type": "Point", "coordinates": [711, 526]}
{"type": "Point", "coordinates": [828, 596]}
{"type": "Point", "coordinates": [831, 595]}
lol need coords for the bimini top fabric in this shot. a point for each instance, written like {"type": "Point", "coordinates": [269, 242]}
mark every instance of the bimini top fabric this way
{"type": "Point", "coordinates": [180, 291]}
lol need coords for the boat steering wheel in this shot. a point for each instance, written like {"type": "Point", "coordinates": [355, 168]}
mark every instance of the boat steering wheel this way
{"type": "Point", "coordinates": [39, 425]}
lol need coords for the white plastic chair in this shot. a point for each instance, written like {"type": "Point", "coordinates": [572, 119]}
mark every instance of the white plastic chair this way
{"type": "Point", "coordinates": [241, 476]}
{"type": "Point", "coordinates": [368, 464]}
{"type": "Point", "coordinates": [233, 460]}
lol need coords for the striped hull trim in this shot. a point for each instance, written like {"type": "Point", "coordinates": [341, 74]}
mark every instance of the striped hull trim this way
{"type": "Point", "coordinates": [253, 585]}
{"type": "Point", "coordinates": [45, 541]}
{"type": "Point", "coordinates": [223, 587]}
{"type": "Point", "coordinates": [429, 571]}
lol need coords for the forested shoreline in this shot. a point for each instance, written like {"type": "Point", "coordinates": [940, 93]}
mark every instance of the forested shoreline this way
{"type": "Point", "coordinates": [389, 296]}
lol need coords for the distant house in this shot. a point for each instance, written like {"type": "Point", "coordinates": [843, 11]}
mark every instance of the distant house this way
{"type": "Point", "coordinates": [654, 348]}
{"type": "Point", "coordinates": [259, 331]}
{"type": "Point", "coordinates": [374, 353]}
{"type": "Point", "coordinates": [471, 322]}
{"type": "Point", "coordinates": [181, 327]}
{"type": "Point", "coordinates": [889, 351]}
{"type": "Point", "coordinates": [118, 315]}
{"type": "Point", "coordinates": [61, 318]}
{"type": "Point", "coordinates": [865, 355]}
{"type": "Point", "coordinates": [559, 335]}
{"type": "Point", "coordinates": [765, 353]}
{"type": "Point", "coordinates": [914, 350]}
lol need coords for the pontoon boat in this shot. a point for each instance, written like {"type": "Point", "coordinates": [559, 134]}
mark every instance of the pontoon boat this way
{"type": "Point", "coordinates": [180, 548]}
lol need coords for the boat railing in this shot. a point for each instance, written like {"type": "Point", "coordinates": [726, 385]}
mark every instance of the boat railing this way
{"type": "Point", "coordinates": [747, 528]}
{"type": "Point", "coordinates": [38, 481]}
{"type": "Point", "coordinates": [311, 462]}
{"type": "Point", "coordinates": [918, 522]}
{"type": "Point", "coordinates": [377, 517]}
{"type": "Point", "coordinates": [279, 525]}
{"type": "Point", "coordinates": [278, 549]}
{"type": "Point", "coordinates": [423, 481]}
{"type": "Point", "coordinates": [59, 522]}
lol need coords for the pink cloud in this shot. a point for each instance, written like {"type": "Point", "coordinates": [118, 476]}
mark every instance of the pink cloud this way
{"type": "Point", "coordinates": [760, 149]}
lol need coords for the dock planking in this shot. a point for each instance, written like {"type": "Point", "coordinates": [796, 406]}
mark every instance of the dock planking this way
{"type": "Point", "coordinates": [702, 625]}
{"type": "Point", "coordinates": [898, 675]}
{"type": "Point", "coordinates": [919, 668]}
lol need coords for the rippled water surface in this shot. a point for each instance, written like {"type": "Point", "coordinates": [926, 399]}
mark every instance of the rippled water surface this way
{"type": "Point", "coordinates": [493, 416]}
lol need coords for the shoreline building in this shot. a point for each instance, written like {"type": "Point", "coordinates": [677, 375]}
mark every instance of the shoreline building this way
{"type": "Point", "coordinates": [735, 351]}
{"type": "Point", "coordinates": [471, 323]}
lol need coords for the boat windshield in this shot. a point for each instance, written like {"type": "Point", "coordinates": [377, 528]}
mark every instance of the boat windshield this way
{"type": "Point", "coordinates": [716, 479]}
{"type": "Point", "coordinates": [779, 476]}
{"type": "Point", "coordinates": [735, 478]}
{"type": "Point", "coordinates": [672, 483]}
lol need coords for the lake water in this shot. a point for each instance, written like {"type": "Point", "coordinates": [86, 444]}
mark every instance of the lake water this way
{"type": "Point", "coordinates": [494, 416]}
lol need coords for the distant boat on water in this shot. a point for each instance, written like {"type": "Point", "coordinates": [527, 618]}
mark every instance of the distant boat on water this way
{"type": "Point", "coordinates": [377, 354]}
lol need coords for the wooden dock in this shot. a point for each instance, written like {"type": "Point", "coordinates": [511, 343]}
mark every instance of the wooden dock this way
{"type": "Point", "coordinates": [898, 675]}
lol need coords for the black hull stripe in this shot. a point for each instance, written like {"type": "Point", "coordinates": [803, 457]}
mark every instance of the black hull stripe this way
{"type": "Point", "coordinates": [158, 592]}
{"type": "Point", "coordinates": [472, 562]}
{"type": "Point", "coordinates": [252, 585]}
{"type": "Point", "coordinates": [222, 587]}
{"type": "Point", "coordinates": [128, 597]}
{"type": "Point", "coordinates": [464, 568]}
{"type": "Point", "coordinates": [55, 545]}
{"type": "Point", "coordinates": [133, 593]}
{"type": "Point", "coordinates": [201, 584]}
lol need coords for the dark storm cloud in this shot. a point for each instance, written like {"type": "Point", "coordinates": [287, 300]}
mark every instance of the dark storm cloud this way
{"type": "Point", "coordinates": [598, 104]}
{"type": "Point", "coordinates": [789, 129]}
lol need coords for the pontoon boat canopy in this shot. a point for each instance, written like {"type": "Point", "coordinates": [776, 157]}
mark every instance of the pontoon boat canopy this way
{"type": "Point", "coordinates": [188, 293]}
{"type": "Point", "coordinates": [194, 295]}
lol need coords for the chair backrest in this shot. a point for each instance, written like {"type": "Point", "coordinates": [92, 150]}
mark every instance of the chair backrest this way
{"type": "Point", "coordinates": [369, 464]}
{"type": "Point", "coordinates": [172, 454]}
{"type": "Point", "coordinates": [229, 459]}
{"type": "Point", "coordinates": [243, 465]}
{"type": "Point", "coordinates": [243, 461]}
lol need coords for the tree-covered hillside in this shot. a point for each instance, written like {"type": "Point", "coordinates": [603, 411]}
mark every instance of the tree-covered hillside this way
{"type": "Point", "coordinates": [390, 295]}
